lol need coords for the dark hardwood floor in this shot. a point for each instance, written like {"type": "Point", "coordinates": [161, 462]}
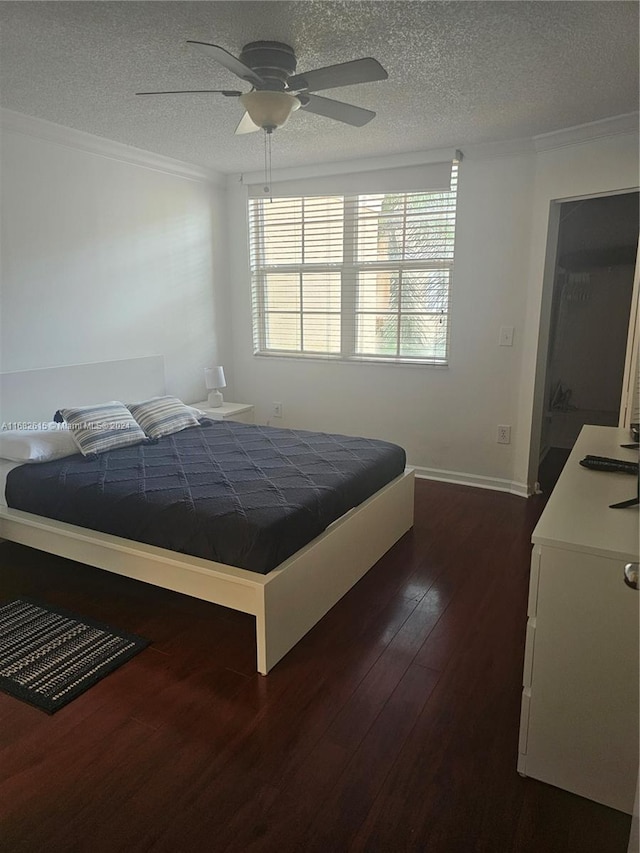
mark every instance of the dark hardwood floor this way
{"type": "Point", "coordinates": [392, 726]}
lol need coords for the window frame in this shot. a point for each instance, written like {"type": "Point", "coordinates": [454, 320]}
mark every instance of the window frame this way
{"type": "Point", "coordinates": [349, 269]}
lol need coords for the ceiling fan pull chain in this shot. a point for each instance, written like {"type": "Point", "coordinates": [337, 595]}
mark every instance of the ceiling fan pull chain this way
{"type": "Point", "coordinates": [267, 163]}
{"type": "Point", "coordinates": [269, 143]}
{"type": "Point", "coordinates": [266, 172]}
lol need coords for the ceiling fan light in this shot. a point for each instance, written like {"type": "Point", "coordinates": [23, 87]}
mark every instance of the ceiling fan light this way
{"type": "Point", "coordinates": [269, 109]}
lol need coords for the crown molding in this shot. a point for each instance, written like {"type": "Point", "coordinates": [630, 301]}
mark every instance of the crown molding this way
{"type": "Point", "coordinates": [498, 148]}
{"type": "Point", "coordinates": [68, 137]}
{"type": "Point", "coordinates": [15, 122]}
{"type": "Point", "coordinates": [628, 123]}
{"type": "Point", "coordinates": [614, 126]}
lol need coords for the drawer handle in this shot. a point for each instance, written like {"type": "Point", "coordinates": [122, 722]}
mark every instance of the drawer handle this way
{"type": "Point", "coordinates": [631, 575]}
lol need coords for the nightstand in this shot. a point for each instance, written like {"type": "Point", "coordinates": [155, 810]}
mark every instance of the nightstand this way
{"type": "Point", "coordinates": [242, 412]}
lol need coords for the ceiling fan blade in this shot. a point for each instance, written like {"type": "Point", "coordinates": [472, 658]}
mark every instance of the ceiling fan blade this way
{"type": "Point", "coordinates": [357, 116]}
{"type": "Point", "coordinates": [345, 74]}
{"type": "Point", "coordinates": [229, 61]}
{"type": "Point", "coordinates": [228, 93]}
{"type": "Point", "coordinates": [246, 125]}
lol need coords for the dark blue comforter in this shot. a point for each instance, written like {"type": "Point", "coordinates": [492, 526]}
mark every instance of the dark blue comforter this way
{"type": "Point", "coordinates": [244, 495]}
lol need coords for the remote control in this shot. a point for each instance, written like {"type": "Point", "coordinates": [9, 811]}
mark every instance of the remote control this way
{"type": "Point", "coordinates": [604, 463]}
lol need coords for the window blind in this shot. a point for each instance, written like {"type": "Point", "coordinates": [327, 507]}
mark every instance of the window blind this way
{"type": "Point", "coordinates": [363, 276]}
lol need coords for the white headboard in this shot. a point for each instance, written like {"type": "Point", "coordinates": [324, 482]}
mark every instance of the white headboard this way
{"type": "Point", "coordinates": [35, 395]}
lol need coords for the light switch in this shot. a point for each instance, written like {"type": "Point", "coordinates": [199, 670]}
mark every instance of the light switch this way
{"type": "Point", "coordinates": [506, 336]}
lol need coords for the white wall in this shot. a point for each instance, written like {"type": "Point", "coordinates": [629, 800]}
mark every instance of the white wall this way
{"type": "Point", "coordinates": [576, 169]}
{"type": "Point", "coordinates": [108, 259]}
{"type": "Point", "coordinates": [446, 418]}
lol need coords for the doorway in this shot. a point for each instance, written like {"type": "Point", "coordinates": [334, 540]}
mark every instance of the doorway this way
{"type": "Point", "coordinates": [590, 310]}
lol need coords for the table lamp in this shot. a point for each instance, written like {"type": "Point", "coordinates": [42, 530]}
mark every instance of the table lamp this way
{"type": "Point", "coordinates": [214, 380]}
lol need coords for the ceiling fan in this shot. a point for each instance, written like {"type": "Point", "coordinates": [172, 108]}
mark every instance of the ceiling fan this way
{"type": "Point", "coordinates": [269, 66]}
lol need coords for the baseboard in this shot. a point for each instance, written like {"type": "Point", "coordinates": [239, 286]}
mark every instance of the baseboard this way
{"type": "Point", "coordinates": [462, 478]}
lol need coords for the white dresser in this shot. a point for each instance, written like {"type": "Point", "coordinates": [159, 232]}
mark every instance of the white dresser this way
{"type": "Point", "coordinates": [579, 721]}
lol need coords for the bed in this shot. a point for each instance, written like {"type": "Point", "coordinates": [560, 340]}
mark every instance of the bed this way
{"type": "Point", "coordinates": [287, 588]}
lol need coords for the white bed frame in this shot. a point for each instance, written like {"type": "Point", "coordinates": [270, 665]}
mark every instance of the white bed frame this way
{"type": "Point", "coordinates": [287, 602]}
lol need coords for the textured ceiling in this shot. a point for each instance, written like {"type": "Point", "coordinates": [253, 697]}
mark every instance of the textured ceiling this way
{"type": "Point", "coordinates": [459, 72]}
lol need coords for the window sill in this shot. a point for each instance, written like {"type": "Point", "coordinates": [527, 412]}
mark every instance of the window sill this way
{"type": "Point", "coordinates": [372, 362]}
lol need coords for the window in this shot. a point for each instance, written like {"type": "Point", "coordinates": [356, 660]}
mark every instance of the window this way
{"type": "Point", "coordinates": [363, 277]}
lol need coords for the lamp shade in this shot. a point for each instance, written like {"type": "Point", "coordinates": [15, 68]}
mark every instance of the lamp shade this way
{"type": "Point", "coordinates": [269, 109]}
{"type": "Point", "coordinates": [214, 378]}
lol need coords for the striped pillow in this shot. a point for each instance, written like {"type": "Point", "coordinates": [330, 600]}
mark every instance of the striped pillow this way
{"type": "Point", "coordinates": [162, 416]}
{"type": "Point", "coordinates": [107, 426]}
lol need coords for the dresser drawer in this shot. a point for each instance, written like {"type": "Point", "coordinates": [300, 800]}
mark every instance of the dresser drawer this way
{"type": "Point", "coordinates": [534, 579]}
{"type": "Point", "coordinates": [528, 652]}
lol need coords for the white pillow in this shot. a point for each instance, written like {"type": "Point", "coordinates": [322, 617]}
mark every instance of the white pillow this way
{"type": "Point", "coordinates": [53, 441]}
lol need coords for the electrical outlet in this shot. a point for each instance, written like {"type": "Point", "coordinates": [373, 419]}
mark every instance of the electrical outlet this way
{"type": "Point", "coordinates": [504, 434]}
{"type": "Point", "coordinates": [277, 410]}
